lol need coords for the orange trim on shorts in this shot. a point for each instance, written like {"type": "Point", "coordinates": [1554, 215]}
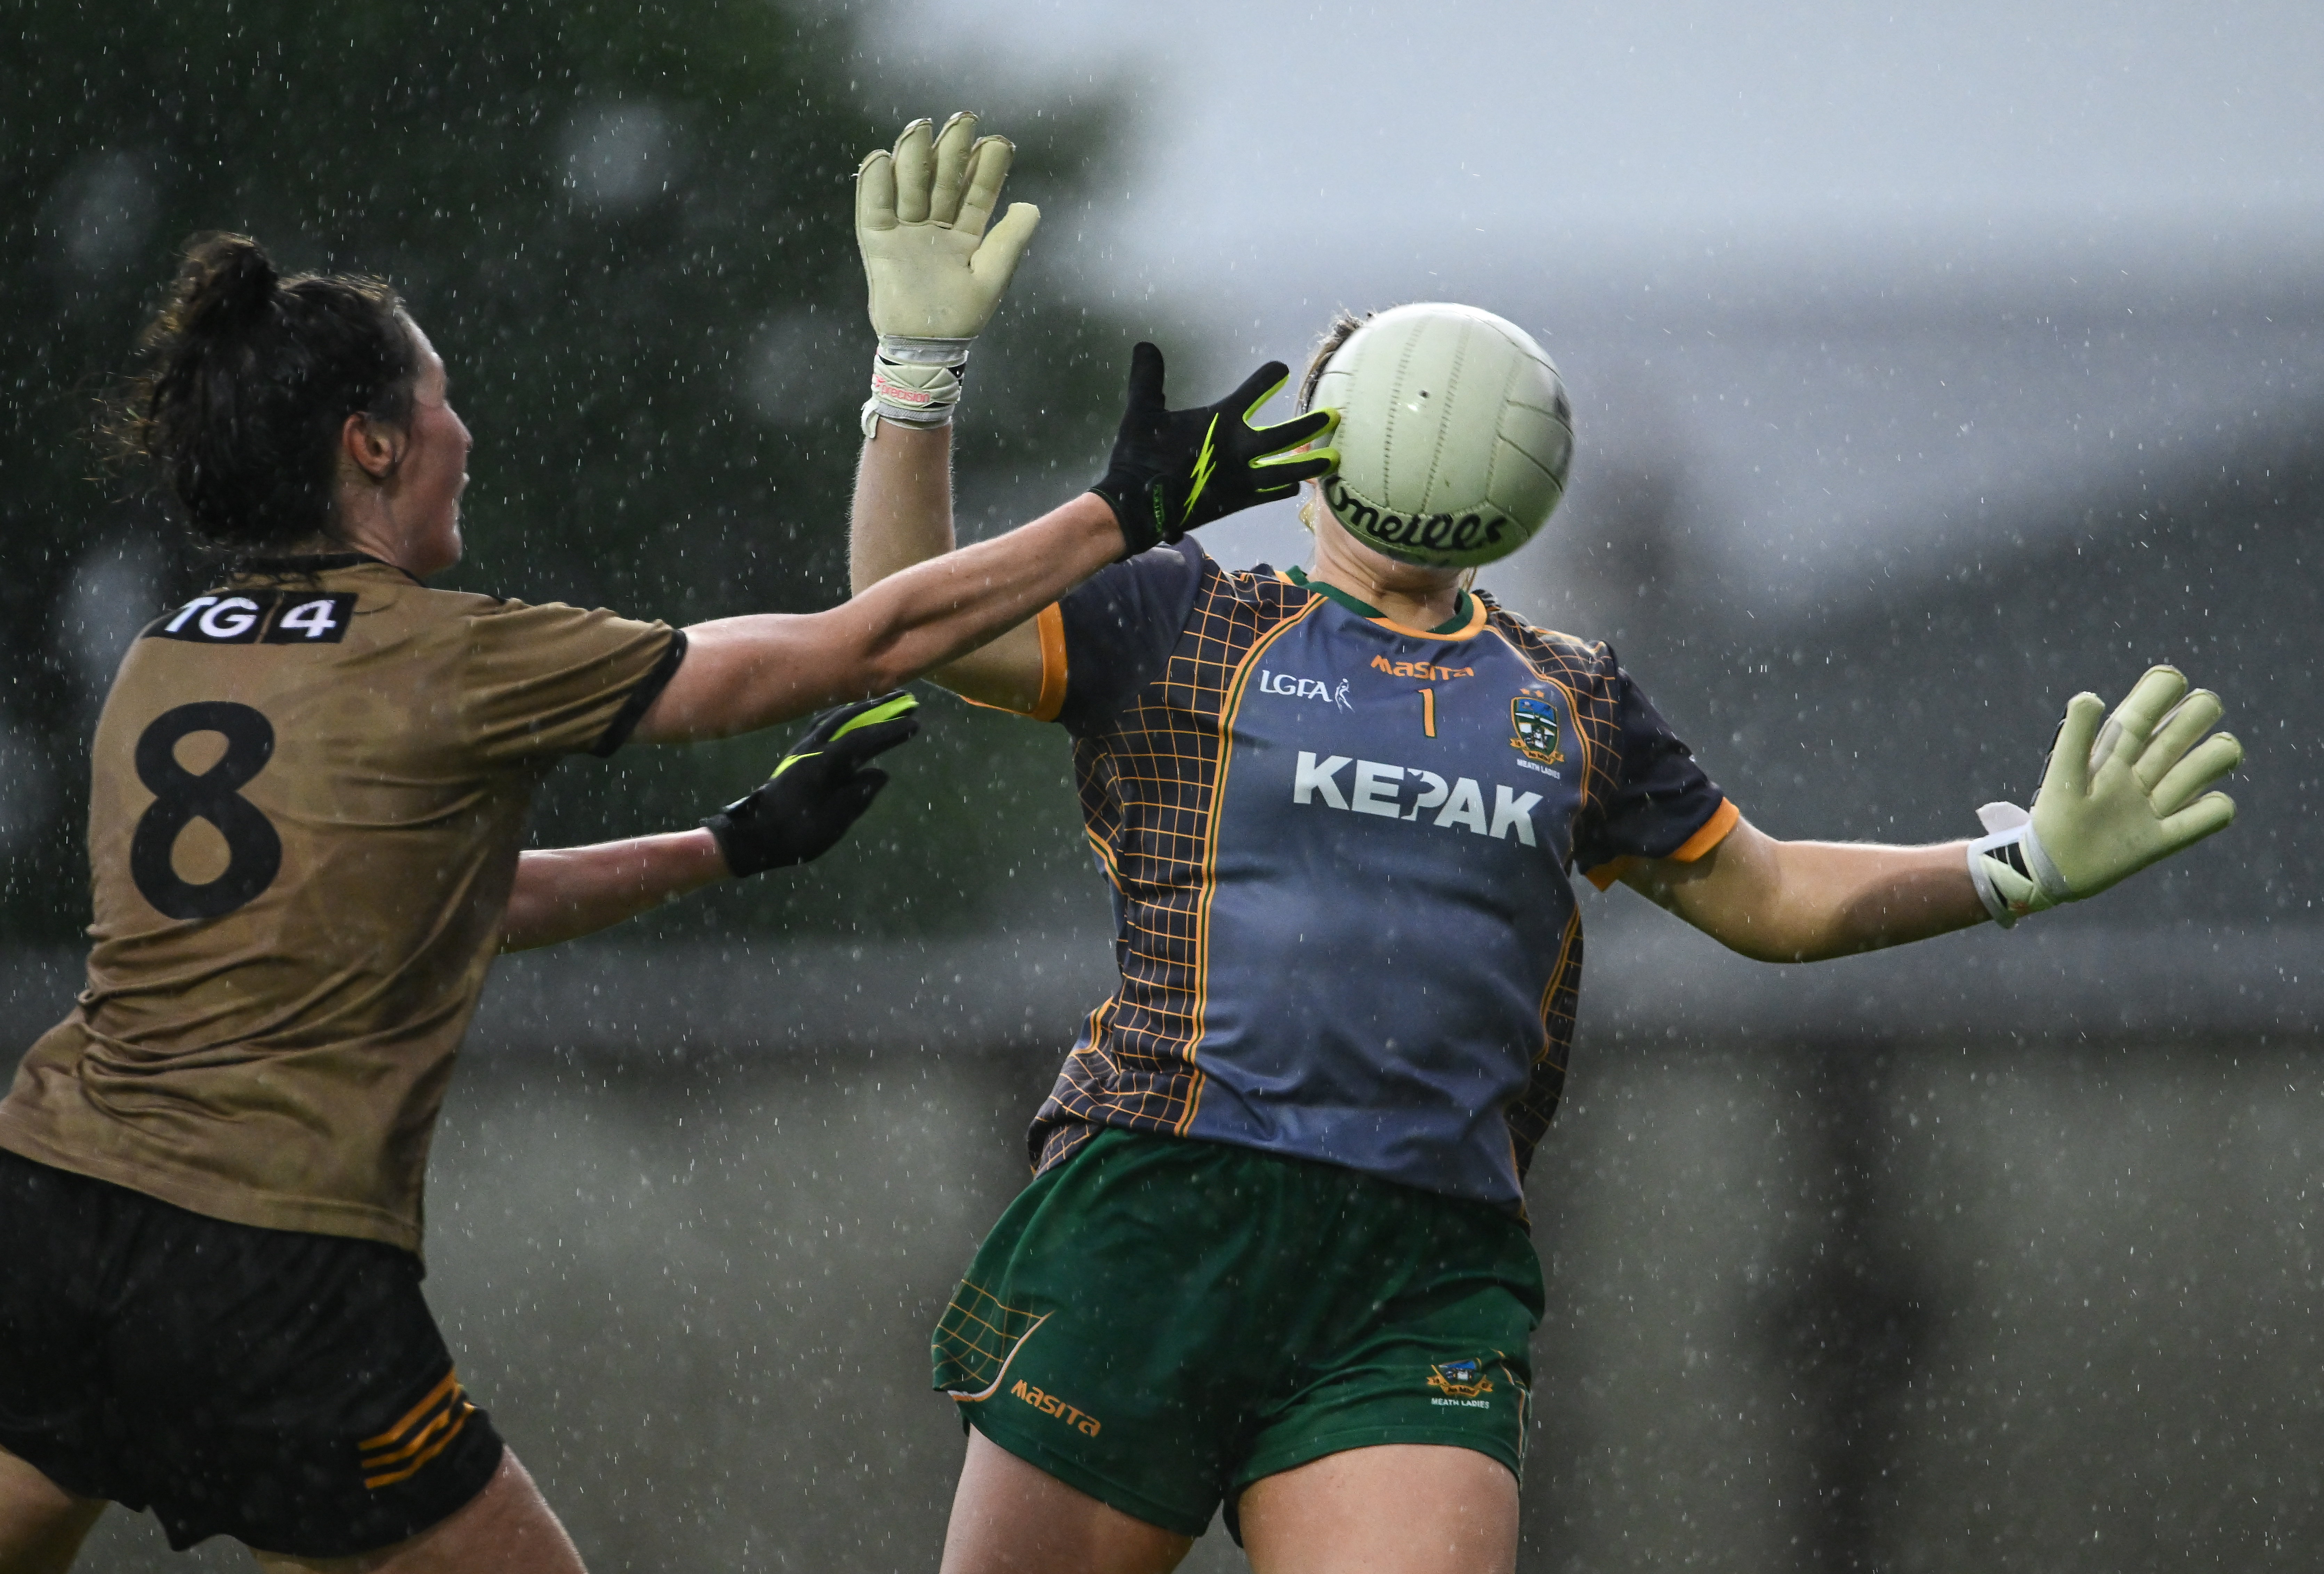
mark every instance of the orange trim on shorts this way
{"type": "Point", "coordinates": [374, 1483]}
{"type": "Point", "coordinates": [1713, 831]}
{"type": "Point", "coordinates": [401, 1451]}
{"type": "Point", "coordinates": [394, 1434]}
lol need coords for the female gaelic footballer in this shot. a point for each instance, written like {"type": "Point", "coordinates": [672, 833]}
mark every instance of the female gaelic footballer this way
{"type": "Point", "coordinates": [211, 1173]}
{"type": "Point", "coordinates": [1274, 1254]}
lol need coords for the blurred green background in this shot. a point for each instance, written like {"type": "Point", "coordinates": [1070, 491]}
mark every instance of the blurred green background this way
{"type": "Point", "coordinates": [627, 229]}
{"type": "Point", "coordinates": [1990, 1253]}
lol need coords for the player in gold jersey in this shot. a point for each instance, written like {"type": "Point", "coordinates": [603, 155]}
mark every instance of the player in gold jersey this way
{"type": "Point", "coordinates": [310, 787]}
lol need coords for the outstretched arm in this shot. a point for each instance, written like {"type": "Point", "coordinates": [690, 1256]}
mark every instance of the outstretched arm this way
{"type": "Point", "coordinates": [1803, 901]}
{"type": "Point", "coordinates": [562, 893]}
{"type": "Point", "coordinates": [742, 673]}
{"type": "Point", "coordinates": [820, 787]}
{"type": "Point", "coordinates": [2114, 797]}
{"type": "Point", "coordinates": [1172, 471]}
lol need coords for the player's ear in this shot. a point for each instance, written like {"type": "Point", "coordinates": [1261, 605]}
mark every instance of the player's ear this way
{"type": "Point", "coordinates": [373, 446]}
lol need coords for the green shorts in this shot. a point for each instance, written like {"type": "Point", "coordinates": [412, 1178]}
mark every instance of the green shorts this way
{"type": "Point", "coordinates": [1160, 1322]}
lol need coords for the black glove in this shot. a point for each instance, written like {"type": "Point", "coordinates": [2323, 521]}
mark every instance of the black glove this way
{"type": "Point", "coordinates": [1173, 469]}
{"type": "Point", "coordinates": [818, 791]}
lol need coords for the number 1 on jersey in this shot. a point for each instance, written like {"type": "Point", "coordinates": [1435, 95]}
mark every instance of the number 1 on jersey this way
{"type": "Point", "coordinates": [1428, 711]}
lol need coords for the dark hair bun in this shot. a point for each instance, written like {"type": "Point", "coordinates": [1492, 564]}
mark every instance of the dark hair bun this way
{"type": "Point", "coordinates": [249, 378]}
{"type": "Point", "coordinates": [227, 285]}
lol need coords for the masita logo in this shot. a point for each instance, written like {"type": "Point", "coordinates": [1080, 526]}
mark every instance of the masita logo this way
{"type": "Point", "coordinates": [1420, 670]}
{"type": "Point", "coordinates": [1284, 683]}
{"type": "Point", "coordinates": [1050, 1404]}
{"type": "Point", "coordinates": [1378, 789]}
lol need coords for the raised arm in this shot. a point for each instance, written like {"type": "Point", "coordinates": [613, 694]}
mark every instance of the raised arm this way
{"type": "Point", "coordinates": [935, 278]}
{"type": "Point", "coordinates": [903, 517]}
{"type": "Point", "coordinates": [2114, 797]}
{"type": "Point", "coordinates": [1171, 471]}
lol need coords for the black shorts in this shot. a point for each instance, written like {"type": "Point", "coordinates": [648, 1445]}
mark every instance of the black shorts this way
{"type": "Point", "coordinates": [286, 1389]}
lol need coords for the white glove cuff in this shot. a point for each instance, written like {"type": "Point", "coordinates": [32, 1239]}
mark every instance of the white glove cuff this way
{"type": "Point", "coordinates": [915, 382]}
{"type": "Point", "coordinates": [2011, 869]}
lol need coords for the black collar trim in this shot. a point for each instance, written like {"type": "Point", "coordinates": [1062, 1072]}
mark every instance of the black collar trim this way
{"type": "Point", "coordinates": [312, 563]}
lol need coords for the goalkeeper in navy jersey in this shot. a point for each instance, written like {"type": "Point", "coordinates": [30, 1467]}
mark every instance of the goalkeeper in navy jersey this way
{"type": "Point", "coordinates": [1274, 1254]}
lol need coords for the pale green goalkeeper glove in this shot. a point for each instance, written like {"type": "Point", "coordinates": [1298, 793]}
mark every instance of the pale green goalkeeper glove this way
{"type": "Point", "coordinates": [2113, 799]}
{"type": "Point", "coordinates": [935, 274]}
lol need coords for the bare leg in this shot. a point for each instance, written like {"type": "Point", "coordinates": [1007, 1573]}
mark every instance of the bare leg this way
{"type": "Point", "coordinates": [42, 1524]}
{"type": "Point", "coordinates": [505, 1529]}
{"type": "Point", "coordinates": [1009, 1517]}
{"type": "Point", "coordinates": [1401, 1509]}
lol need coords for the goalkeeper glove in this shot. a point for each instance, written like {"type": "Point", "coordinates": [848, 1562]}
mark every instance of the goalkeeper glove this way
{"type": "Point", "coordinates": [820, 789]}
{"type": "Point", "coordinates": [935, 274]}
{"type": "Point", "coordinates": [2113, 799]}
{"type": "Point", "coordinates": [1175, 470]}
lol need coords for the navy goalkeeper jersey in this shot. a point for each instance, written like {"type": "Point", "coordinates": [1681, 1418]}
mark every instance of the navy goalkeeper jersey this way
{"type": "Point", "coordinates": [1340, 851]}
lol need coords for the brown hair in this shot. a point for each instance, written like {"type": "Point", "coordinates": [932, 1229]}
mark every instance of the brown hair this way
{"type": "Point", "coordinates": [248, 378]}
{"type": "Point", "coordinates": [1344, 323]}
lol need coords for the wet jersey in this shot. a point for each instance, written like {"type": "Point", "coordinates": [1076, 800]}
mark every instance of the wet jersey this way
{"type": "Point", "coordinates": [1340, 850]}
{"type": "Point", "coordinates": [309, 795]}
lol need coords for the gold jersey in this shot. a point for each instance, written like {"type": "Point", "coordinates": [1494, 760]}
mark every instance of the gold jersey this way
{"type": "Point", "coordinates": [309, 788]}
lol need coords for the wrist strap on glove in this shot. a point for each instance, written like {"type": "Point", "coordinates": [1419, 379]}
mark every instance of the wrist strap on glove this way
{"type": "Point", "coordinates": [2012, 872]}
{"type": "Point", "coordinates": [916, 382]}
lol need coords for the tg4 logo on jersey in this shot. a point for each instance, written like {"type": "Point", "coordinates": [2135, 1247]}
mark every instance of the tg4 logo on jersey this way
{"type": "Point", "coordinates": [273, 617]}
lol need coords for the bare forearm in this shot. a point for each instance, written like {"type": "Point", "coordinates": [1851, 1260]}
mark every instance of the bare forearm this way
{"type": "Point", "coordinates": [902, 511]}
{"type": "Point", "coordinates": [742, 673]}
{"type": "Point", "coordinates": [902, 516]}
{"type": "Point", "coordinates": [1839, 898]}
{"type": "Point", "coordinates": [564, 892]}
{"type": "Point", "coordinates": [1805, 902]}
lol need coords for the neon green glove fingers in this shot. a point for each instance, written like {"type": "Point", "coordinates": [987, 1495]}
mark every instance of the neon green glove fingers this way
{"type": "Point", "coordinates": [935, 275]}
{"type": "Point", "coordinates": [2119, 794]}
{"type": "Point", "coordinates": [1173, 470]}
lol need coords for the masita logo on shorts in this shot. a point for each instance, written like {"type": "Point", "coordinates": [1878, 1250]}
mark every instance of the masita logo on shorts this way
{"type": "Point", "coordinates": [1460, 1380]}
{"type": "Point", "coordinates": [1378, 789]}
{"type": "Point", "coordinates": [1050, 1404]}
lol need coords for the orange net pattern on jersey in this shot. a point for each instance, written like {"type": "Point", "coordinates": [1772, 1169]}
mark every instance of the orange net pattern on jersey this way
{"type": "Point", "coordinates": [1149, 795]}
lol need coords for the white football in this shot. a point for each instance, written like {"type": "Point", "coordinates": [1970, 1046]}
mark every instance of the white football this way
{"type": "Point", "coordinates": [1456, 435]}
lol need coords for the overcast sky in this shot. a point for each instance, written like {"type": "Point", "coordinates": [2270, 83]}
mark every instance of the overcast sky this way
{"type": "Point", "coordinates": [1865, 280]}
{"type": "Point", "coordinates": [1606, 132]}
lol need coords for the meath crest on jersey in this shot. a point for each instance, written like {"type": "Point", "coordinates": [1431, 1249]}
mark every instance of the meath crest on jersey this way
{"type": "Point", "coordinates": [1460, 1379]}
{"type": "Point", "coordinates": [1533, 723]}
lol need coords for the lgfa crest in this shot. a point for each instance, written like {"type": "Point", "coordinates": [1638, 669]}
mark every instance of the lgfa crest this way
{"type": "Point", "coordinates": [1460, 1379]}
{"type": "Point", "coordinates": [1533, 722]}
